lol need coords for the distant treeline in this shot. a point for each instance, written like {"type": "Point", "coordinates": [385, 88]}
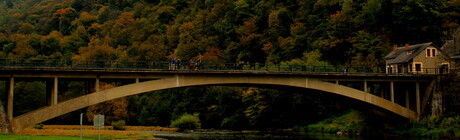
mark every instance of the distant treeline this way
{"type": "Point", "coordinates": [345, 32]}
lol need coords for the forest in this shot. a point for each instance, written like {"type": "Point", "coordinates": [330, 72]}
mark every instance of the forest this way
{"type": "Point", "coordinates": [308, 32]}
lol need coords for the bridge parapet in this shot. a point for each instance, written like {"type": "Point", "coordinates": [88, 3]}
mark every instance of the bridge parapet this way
{"type": "Point", "coordinates": [7, 63]}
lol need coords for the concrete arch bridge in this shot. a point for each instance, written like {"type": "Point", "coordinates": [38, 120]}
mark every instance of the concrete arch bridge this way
{"type": "Point", "coordinates": [401, 95]}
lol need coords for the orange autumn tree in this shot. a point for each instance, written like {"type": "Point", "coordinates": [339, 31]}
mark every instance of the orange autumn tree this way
{"type": "Point", "coordinates": [113, 110]}
{"type": "Point", "coordinates": [213, 54]}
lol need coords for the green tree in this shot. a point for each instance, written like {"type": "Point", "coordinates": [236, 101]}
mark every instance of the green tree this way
{"type": "Point", "coordinates": [156, 108]}
{"type": "Point", "coordinates": [29, 96]}
{"type": "Point", "coordinates": [417, 21]}
{"type": "Point", "coordinates": [187, 122]}
{"type": "Point", "coordinates": [367, 49]}
{"type": "Point", "coordinates": [62, 20]}
{"type": "Point", "coordinates": [26, 28]}
{"type": "Point", "coordinates": [50, 44]}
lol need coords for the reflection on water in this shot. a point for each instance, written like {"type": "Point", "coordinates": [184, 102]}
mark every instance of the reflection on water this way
{"type": "Point", "coordinates": [266, 136]}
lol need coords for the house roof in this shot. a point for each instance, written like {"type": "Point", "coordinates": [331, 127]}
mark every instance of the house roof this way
{"type": "Point", "coordinates": [403, 55]}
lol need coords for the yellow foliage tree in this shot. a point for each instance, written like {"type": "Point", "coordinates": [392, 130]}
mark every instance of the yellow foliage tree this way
{"type": "Point", "coordinates": [113, 110]}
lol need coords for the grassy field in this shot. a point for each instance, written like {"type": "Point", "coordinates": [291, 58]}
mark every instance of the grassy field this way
{"type": "Point", "coordinates": [27, 137]}
{"type": "Point", "coordinates": [58, 132]}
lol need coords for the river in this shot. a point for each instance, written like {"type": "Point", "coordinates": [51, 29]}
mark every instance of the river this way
{"type": "Point", "coordinates": [256, 135]}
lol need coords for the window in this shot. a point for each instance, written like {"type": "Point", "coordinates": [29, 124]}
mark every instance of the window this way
{"type": "Point", "coordinates": [418, 67]}
{"type": "Point", "coordinates": [430, 52]}
{"type": "Point", "coordinates": [390, 70]}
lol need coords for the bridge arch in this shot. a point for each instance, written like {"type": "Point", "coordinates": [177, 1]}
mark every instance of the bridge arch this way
{"type": "Point", "coordinates": [180, 80]}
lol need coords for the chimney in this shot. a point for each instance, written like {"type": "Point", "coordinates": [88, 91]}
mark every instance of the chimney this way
{"type": "Point", "coordinates": [395, 47]}
{"type": "Point", "coordinates": [406, 46]}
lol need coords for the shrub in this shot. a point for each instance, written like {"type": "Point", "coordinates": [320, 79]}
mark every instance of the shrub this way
{"type": "Point", "coordinates": [118, 125]}
{"type": "Point", "coordinates": [444, 126]}
{"type": "Point", "coordinates": [352, 121]}
{"type": "Point", "coordinates": [187, 122]}
{"type": "Point", "coordinates": [38, 126]}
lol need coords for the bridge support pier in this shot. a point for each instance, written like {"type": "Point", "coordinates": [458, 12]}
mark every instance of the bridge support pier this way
{"type": "Point", "coordinates": [407, 98]}
{"type": "Point", "coordinates": [365, 87]}
{"type": "Point", "coordinates": [52, 91]}
{"type": "Point", "coordinates": [392, 91]}
{"type": "Point", "coordinates": [54, 96]}
{"type": "Point", "coordinates": [417, 96]}
{"type": "Point", "coordinates": [9, 105]}
{"type": "Point", "coordinates": [97, 84]}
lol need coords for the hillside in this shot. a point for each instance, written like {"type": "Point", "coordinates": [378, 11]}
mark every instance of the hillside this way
{"type": "Point", "coordinates": [357, 32]}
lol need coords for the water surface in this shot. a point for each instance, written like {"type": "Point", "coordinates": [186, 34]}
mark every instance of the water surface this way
{"type": "Point", "coordinates": [255, 135]}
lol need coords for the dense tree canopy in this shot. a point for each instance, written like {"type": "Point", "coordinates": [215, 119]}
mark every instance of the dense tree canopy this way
{"type": "Point", "coordinates": [345, 32]}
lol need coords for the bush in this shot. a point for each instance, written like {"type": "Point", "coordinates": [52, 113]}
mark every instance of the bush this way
{"type": "Point", "coordinates": [38, 126]}
{"type": "Point", "coordinates": [118, 125]}
{"type": "Point", "coordinates": [444, 126]}
{"type": "Point", "coordinates": [187, 122]}
{"type": "Point", "coordinates": [352, 121]}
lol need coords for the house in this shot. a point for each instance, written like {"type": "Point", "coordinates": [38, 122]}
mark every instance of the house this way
{"type": "Point", "coordinates": [452, 49]}
{"type": "Point", "coordinates": [420, 58]}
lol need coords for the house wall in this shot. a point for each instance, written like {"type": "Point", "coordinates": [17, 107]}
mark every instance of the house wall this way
{"type": "Point", "coordinates": [397, 68]}
{"type": "Point", "coordinates": [429, 64]}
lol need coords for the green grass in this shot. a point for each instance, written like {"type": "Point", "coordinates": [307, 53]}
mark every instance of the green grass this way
{"type": "Point", "coordinates": [444, 126]}
{"type": "Point", "coordinates": [351, 121]}
{"type": "Point", "coordinates": [27, 137]}
{"type": "Point", "coordinates": [111, 137]}
{"type": "Point", "coordinates": [86, 137]}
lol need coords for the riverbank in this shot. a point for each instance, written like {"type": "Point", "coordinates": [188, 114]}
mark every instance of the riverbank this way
{"type": "Point", "coordinates": [131, 132]}
{"type": "Point", "coordinates": [447, 126]}
{"type": "Point", "coordinates": [353, 123]}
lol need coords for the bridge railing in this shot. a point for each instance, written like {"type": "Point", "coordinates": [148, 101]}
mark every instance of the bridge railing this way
{"type": "Point", "coordinates": [163, 65]}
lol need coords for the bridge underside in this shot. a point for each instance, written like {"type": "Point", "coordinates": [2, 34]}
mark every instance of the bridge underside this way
{"type": "Point", "coordinates": [185, 80]}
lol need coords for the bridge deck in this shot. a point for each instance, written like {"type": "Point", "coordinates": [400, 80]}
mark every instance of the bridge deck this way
{"type": "Point", "coordinates": [155, 73]}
